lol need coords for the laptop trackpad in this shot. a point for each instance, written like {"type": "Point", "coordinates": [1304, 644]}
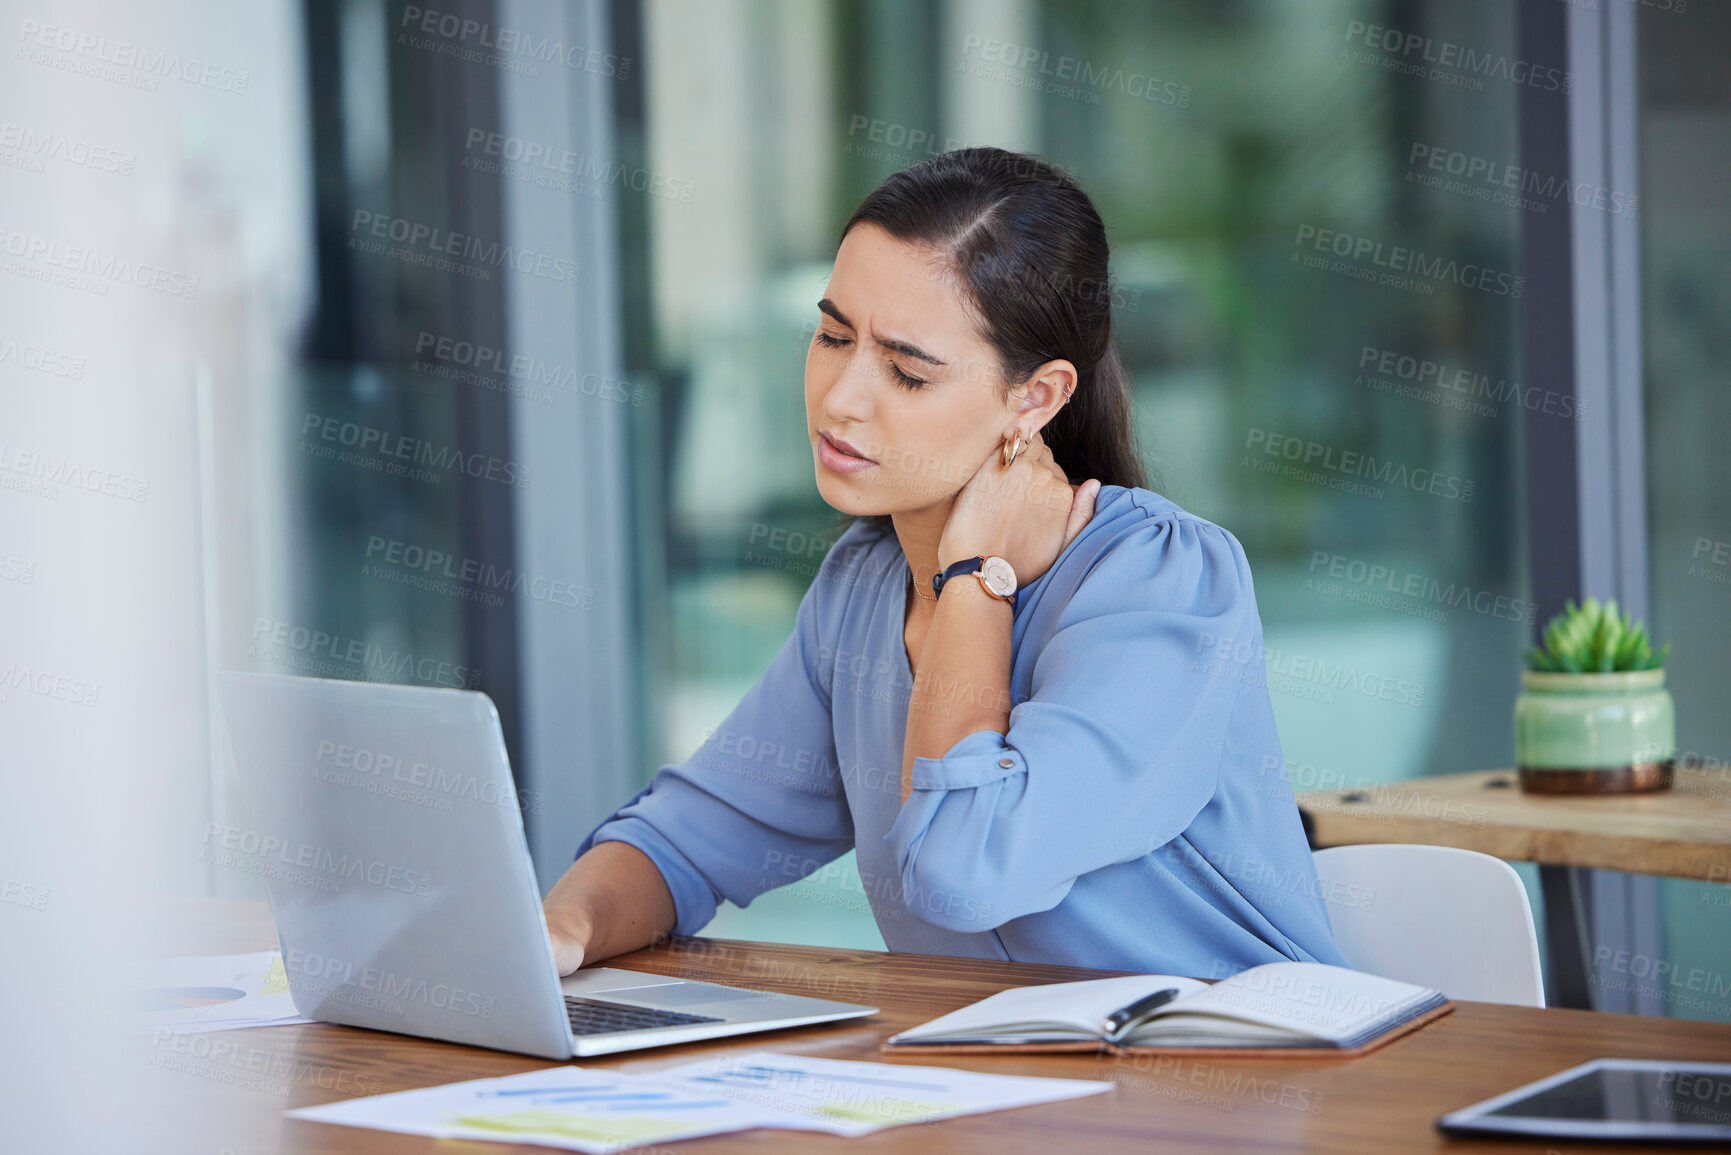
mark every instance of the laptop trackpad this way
{"type": "Point", "coordinates": [682, 994]}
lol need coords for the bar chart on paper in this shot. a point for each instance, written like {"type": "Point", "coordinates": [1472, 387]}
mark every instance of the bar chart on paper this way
{"type": "Point", "coordinates": [570, 1107]}
{"type": "Point", "coordinates": [598, 1110]}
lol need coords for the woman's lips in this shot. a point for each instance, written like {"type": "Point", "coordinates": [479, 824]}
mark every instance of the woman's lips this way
{"type": "Point", "coordinates": [833, 457]}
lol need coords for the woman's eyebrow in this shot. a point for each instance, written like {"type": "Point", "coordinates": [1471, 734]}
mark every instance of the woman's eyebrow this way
{"type": "Point", "coordinates": [905, 347]}
{"type": "Point", "coordinates": [828, 306]}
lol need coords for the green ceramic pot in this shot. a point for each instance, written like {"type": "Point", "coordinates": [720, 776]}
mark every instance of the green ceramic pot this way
{"type": "Point", "coordinates": [1595, 733]}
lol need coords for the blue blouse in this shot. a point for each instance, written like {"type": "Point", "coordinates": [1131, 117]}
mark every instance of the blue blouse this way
{"type": "Point", "coordinates": [1136, 816]}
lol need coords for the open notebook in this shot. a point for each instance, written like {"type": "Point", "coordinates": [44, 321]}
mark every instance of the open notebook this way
{"type": "Point", "coordinates": [1277, 1007]}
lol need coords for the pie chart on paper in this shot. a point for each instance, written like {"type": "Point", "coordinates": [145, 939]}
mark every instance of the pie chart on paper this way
{"type": "Point", "coordinates": [213, 993]}
{"type": "Point", "coordinates": [185, 998]}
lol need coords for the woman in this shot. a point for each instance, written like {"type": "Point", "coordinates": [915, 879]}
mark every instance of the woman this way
{"type": "Point", "coordinates": [1060, 750]}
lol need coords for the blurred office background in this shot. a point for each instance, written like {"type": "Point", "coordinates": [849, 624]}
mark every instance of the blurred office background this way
{"type": "Point", "coordinates": [497, 356]}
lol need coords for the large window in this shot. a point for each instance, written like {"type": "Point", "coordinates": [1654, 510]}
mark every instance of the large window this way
{"type": "Point", "coordinates": [1342, 235]}
{"type": "Point", "coordinates": [1318, 287]}
{"type": "Point", "coordinates": [1685, 149]}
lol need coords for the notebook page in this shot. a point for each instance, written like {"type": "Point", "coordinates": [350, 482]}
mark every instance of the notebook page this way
{"type": "Point", "coordinates": [1080, 1006]}
{"type": "Point", "coordinates": [1187, 1030]}
{"type": "Point", "coordinates": [1314, 999]}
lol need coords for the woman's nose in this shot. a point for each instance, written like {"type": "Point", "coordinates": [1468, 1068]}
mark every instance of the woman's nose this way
{"type": "Point", "coordinates": [849, 395]}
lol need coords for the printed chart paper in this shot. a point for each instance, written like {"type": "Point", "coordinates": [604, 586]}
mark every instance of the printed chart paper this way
{"type": "Point", "coordinates": [214, 993]}
{"type": "Point", "coordinates": [570, 1107]}
{"type": "Point", "coordinates": [856, 1098]}
{"type": "Point", "coordinates": [603, 1111]}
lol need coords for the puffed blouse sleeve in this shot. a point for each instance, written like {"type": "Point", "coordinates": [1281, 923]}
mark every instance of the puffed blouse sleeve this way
{"type": "Point", "coordinates": [1116, 750]}
{"type": "Point", "coordinates": [764, 788]}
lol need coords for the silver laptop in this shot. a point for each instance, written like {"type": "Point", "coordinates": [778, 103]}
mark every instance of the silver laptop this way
{"type": "Point", "coordinates": [387, 828]}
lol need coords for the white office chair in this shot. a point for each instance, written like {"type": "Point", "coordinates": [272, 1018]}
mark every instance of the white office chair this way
{"type": "Point", "coordinates": [1456, 920]}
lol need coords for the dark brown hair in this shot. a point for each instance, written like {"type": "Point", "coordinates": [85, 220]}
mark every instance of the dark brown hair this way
{"type": "Point", "coordinates": [1030, 251]}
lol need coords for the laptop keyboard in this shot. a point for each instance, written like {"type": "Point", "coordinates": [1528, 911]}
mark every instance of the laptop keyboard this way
{"type": "Point", "coordinates": [594, 1017]}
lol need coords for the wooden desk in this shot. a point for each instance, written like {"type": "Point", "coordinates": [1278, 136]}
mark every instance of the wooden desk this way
{"type": "Point", "coordinates": [1684, 832]}
{"type": "Point", "coordinates": [1382, 1103]}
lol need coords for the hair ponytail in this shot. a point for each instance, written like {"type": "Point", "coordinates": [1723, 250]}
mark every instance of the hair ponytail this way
{"type": "Point", "coordinates": [1091, 435]}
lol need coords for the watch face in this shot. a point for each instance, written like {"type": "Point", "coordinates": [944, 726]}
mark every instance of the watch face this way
{"type": "Point", "coordinates": [999, 577]}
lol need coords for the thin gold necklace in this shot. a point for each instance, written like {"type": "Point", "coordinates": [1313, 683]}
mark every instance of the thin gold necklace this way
{"type": "Point", "coordinates": [916, 585]}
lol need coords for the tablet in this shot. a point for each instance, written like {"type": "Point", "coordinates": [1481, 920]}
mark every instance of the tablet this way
{"type": "Point", "coordinates": [1641, 1099]}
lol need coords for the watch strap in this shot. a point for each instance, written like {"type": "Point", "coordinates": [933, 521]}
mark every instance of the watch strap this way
{"type": "Point", "coordinates": [966, 566]}
{"type": "Point", "coordinates": [969, 565]}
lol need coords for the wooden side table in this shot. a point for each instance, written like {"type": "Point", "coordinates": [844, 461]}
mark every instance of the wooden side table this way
{"type": "Point", "coordinates": [1684, 832]}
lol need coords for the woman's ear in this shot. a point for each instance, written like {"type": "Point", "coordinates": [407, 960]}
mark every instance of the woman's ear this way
{"type": "Point", "coordinates": [1038, 400]}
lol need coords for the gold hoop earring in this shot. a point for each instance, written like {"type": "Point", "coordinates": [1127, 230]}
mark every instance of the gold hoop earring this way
{"type": "Point", "coordinates": [1007, 453]}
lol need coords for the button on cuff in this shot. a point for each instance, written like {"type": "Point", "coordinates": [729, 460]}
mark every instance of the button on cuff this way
{"type": "Point", "coordinates": [976, 759]}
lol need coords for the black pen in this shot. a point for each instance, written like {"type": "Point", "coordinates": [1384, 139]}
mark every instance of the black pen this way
{"type": "Point", "coordinates": [1129, 1016]}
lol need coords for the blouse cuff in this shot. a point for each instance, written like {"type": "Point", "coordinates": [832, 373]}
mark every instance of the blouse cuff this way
{"type": "Point", "coordinates": [694, 903]}
{"type": "Point", "coordinates": [976, 759]}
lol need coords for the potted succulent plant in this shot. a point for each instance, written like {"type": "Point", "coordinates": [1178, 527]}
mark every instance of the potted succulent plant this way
{"type": "Point", "coordinates": [1594, 716]}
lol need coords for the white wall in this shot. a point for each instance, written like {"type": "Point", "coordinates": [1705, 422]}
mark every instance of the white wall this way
{"type": "Point", "coordinates": [113, 173]}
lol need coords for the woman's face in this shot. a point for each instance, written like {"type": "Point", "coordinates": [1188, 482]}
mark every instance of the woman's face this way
{"type": "Point", "coordinates": [899, 373]}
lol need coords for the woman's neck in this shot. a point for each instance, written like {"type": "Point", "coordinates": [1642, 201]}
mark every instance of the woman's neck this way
{"type": "Point", "coordinates": [919, 531]}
